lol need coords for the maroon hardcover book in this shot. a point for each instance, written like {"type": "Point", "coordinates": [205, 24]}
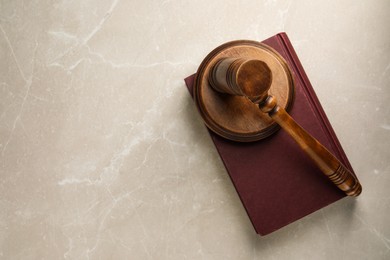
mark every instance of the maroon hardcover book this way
{"type": "Point", "coordinates": [278, 183]}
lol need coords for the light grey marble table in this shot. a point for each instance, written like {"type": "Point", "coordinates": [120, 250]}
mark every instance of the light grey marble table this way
{"type": "Point", "coordinates": [103, 154]}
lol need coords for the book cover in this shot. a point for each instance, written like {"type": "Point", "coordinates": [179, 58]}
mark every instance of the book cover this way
{"type": "Point", "coordinates": [276, 182]}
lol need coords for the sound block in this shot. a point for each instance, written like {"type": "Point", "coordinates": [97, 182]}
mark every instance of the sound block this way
{"type": "Point", "coordinates": [236, 117]}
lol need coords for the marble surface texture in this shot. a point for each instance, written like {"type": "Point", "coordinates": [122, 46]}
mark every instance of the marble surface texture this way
{"type": "Point", "coordinates": [104, 156]}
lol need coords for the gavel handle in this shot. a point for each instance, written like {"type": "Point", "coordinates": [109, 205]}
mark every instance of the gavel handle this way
{"type": "Point", "coordinates": [325, 160]}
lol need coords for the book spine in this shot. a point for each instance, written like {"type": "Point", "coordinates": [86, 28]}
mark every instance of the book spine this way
{"type": "Point", "coordinates": [301, 75]}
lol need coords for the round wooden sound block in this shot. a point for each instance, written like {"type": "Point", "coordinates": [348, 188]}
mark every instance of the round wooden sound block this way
{"type": "Point", "coordinates": [236, 117]}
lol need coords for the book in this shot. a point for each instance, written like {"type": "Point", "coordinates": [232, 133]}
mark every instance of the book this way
{"type": "Point", "coordinates": [275, 180]}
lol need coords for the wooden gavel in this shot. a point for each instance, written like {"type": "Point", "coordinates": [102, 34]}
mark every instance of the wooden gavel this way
{"type": "Point", "coordinates": [252, 79]}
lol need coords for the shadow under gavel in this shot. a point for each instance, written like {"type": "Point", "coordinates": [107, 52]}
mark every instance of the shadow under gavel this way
{"type": "Point", "coordinates": [252, 78]}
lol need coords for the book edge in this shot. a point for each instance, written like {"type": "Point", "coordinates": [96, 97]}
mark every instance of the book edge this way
{"type": "Point", "coordinates": [190, 81]}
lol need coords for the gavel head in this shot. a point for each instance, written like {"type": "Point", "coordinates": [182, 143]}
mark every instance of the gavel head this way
{"type": "Point", "coordinates": [251, 78]}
